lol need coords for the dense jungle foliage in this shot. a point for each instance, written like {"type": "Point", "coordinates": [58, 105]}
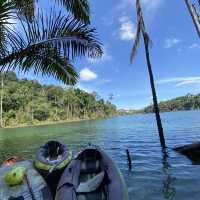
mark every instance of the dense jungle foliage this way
{"type": "Point", "coordinates": [27, 102]}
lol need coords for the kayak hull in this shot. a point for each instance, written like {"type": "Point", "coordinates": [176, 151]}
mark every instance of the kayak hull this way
{"type": "Point", "coordinates": [92, 162]}
{"type": "Point", "coordinates": [37, 183]}
{"type": "Point", "coordinates": [191, 151]}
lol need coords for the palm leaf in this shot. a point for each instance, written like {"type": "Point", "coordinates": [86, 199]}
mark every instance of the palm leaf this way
{"type": "Point", "coordinates": [25, 8]}
{"type": "Point", "coordinates": [6, 13]}
{"type": "Point", "coordinates": [140, 30]}
{"type": "Point", "coordinates": [48, 46]}
{"type": "Point", "coordinates": [44, 61]}
{"type": "Point", "coordinates": [68, 36]}
{"type": "Point", "coordinates": [136, 42]}
{"type": "Point", "coordinates": [79, 8]}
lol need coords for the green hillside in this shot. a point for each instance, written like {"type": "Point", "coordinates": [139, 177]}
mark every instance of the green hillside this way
{"type": "Point", "coordinates": [27, 102]}
{"type": "Point", "coordinates": [188, 102]}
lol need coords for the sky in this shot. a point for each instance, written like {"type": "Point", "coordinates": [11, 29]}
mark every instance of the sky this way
{"type": "Point", "coordinates": [175, 53]}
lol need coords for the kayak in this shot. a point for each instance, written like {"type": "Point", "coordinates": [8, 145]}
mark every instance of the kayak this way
{"type": "Point", "coordinates": [92, 175]}
{"type": "Point", "coordinates": [32, 186]}
{"type": "Point", "coordinates": [191, 151]}
{"type": "Point", "coordinates": [51, 160]}
{"type": "Point", "coordinates": [52, 156]}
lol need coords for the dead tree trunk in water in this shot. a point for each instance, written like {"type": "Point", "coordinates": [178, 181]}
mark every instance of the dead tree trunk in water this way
{"type": "Point", "coordinates": [155, 101]}
{"type": "Point", "coordinates": [141, 31]}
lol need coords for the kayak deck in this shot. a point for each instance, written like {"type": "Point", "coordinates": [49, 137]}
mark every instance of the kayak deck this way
{"type": "Point", "coordinates": [37, 184]}
{"type": "Point", "coordinates": [92, 175]}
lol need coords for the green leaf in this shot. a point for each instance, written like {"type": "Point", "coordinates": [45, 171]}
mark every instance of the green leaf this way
{"type": "Point", "coordinates": [48, 45]}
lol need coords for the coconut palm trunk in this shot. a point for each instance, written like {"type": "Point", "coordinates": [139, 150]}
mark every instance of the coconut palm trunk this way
{"type": "Point", "coordinates": [155, 101]}
{"type": "Point", "coordinates": [141, 31]}
{"type": "Point", "coordinates": [195, 17]}
{"type": "Point", "coordinates": [1, 103]}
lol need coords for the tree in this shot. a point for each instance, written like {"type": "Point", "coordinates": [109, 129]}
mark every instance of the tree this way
{"type": "Point", "coordinates": [141, 30]}
{"type": "Point", "coordinates": [79, 8]}
{"type": "Point", "coordinates": [47, 44]}
{"type": "Point", "coordinates": [1, 103]}
{"type": "Point", "coordinates": [194, 14]}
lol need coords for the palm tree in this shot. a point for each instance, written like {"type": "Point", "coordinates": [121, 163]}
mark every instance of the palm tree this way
{"type": "Point", "coordinates": [47, 44]}
{"type": "Point", "coordinates": [1, 102]}
{"type": "Point", "coordinates": [194, 14]}
{"type": "Point", "coordinates": [79, 8]}
{"type": "Point", "coordinates": [141, 31]}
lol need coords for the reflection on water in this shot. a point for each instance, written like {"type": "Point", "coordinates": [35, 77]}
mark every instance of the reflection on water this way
{"type": "Point", "coordinates": [155, 175]}
{"type": "Point", "coordinates": [169, 189]}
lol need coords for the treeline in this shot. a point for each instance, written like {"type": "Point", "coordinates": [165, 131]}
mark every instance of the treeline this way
{"type": "Point", "coordinates": [27, 102]}
{"type": "Point", "coordinates": [188, 102]}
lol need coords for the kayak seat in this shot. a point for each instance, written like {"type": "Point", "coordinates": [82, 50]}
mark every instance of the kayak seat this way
{"type": "Point", "coordinates": [91, 180]}
{"type": "Point", "coordinates": [90, 166]}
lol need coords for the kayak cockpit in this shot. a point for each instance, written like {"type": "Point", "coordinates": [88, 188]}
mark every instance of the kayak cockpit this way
{"type": "Point", "coordinates": [91, 175]}
{"type": "Point", "coordinates": [51, 160]}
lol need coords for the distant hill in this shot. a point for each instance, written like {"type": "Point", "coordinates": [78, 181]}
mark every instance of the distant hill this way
{"type": "Point", "coordinates": [129, 111]}
{"type": "Point", "coordinates": [187, 102]}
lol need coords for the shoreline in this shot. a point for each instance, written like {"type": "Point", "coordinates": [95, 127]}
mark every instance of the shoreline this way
{"type": "Point", "coordinates": [46, 123]}
{"type": "Point", "coordinates": [54, 122]}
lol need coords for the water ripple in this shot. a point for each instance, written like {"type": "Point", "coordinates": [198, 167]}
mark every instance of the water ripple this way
{"type": "Point", "coordinates": [152, 177]}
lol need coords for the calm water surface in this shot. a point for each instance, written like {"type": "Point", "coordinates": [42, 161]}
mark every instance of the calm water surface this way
{"type": "Point", "coordinates": [152, 177]}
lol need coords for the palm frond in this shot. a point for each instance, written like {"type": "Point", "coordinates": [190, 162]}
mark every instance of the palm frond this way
{"type": "Point", "coordinates": [25, 8]}
{"type": "Point", "coordinates": [48, 45]}
{"type": "Point", "coordinates": [79, 8]}
{"type": "Point", "coordinates": [136, 42]}
{"type": "Point", "coordinates": [44, 61]}
{"type": "Point", "coordinates": [139, 32]}
{"type": "Point", "coordinates": [6, 14]}
{"type": "Point", "coordinates": [69, 37]}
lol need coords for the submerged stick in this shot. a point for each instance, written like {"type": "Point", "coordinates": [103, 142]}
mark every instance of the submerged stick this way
{"type": "Point", "coordinates": [129, 159]}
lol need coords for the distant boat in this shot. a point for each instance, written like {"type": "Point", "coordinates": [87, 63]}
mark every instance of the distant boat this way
{"type": "Point", "coordinates": [51, 160]}
{"type": "Point", "coordinates": [32, 186]}
{"type": "Point", "coordinates": [92, 175]}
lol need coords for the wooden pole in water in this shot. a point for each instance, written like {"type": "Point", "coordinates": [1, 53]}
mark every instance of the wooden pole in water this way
{"type": "Point", "coordinates": [153, 89]}
{"type": "Point", "coordinates": [129, 159]}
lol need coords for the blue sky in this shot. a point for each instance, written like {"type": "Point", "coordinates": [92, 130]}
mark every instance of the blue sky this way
{"type": "Point", "coordinates": [175, 53]}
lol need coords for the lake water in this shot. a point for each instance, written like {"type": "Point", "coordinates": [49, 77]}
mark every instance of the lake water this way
{"type": "Point", "coordinates": [152, 176]}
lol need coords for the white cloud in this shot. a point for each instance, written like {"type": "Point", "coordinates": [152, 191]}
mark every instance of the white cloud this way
{"type": "Point", "coordinates": [106, 57]}
{"type": "Point", "coordinates": [127, 30]}
{"type": "Point", "coordinates": [180, 81]}
{"type": "Point", "coordinates": [194, 46]}
{"type": "Point", "coordinates": [87, 75]}
{"type": "Point", "coordinates": [171, 42]}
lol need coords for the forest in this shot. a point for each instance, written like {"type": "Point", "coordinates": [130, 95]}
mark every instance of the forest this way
{"type": "Point", "coordinates": [187, 102]}
{"type": "Point", "coordinates": [27, 102]}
